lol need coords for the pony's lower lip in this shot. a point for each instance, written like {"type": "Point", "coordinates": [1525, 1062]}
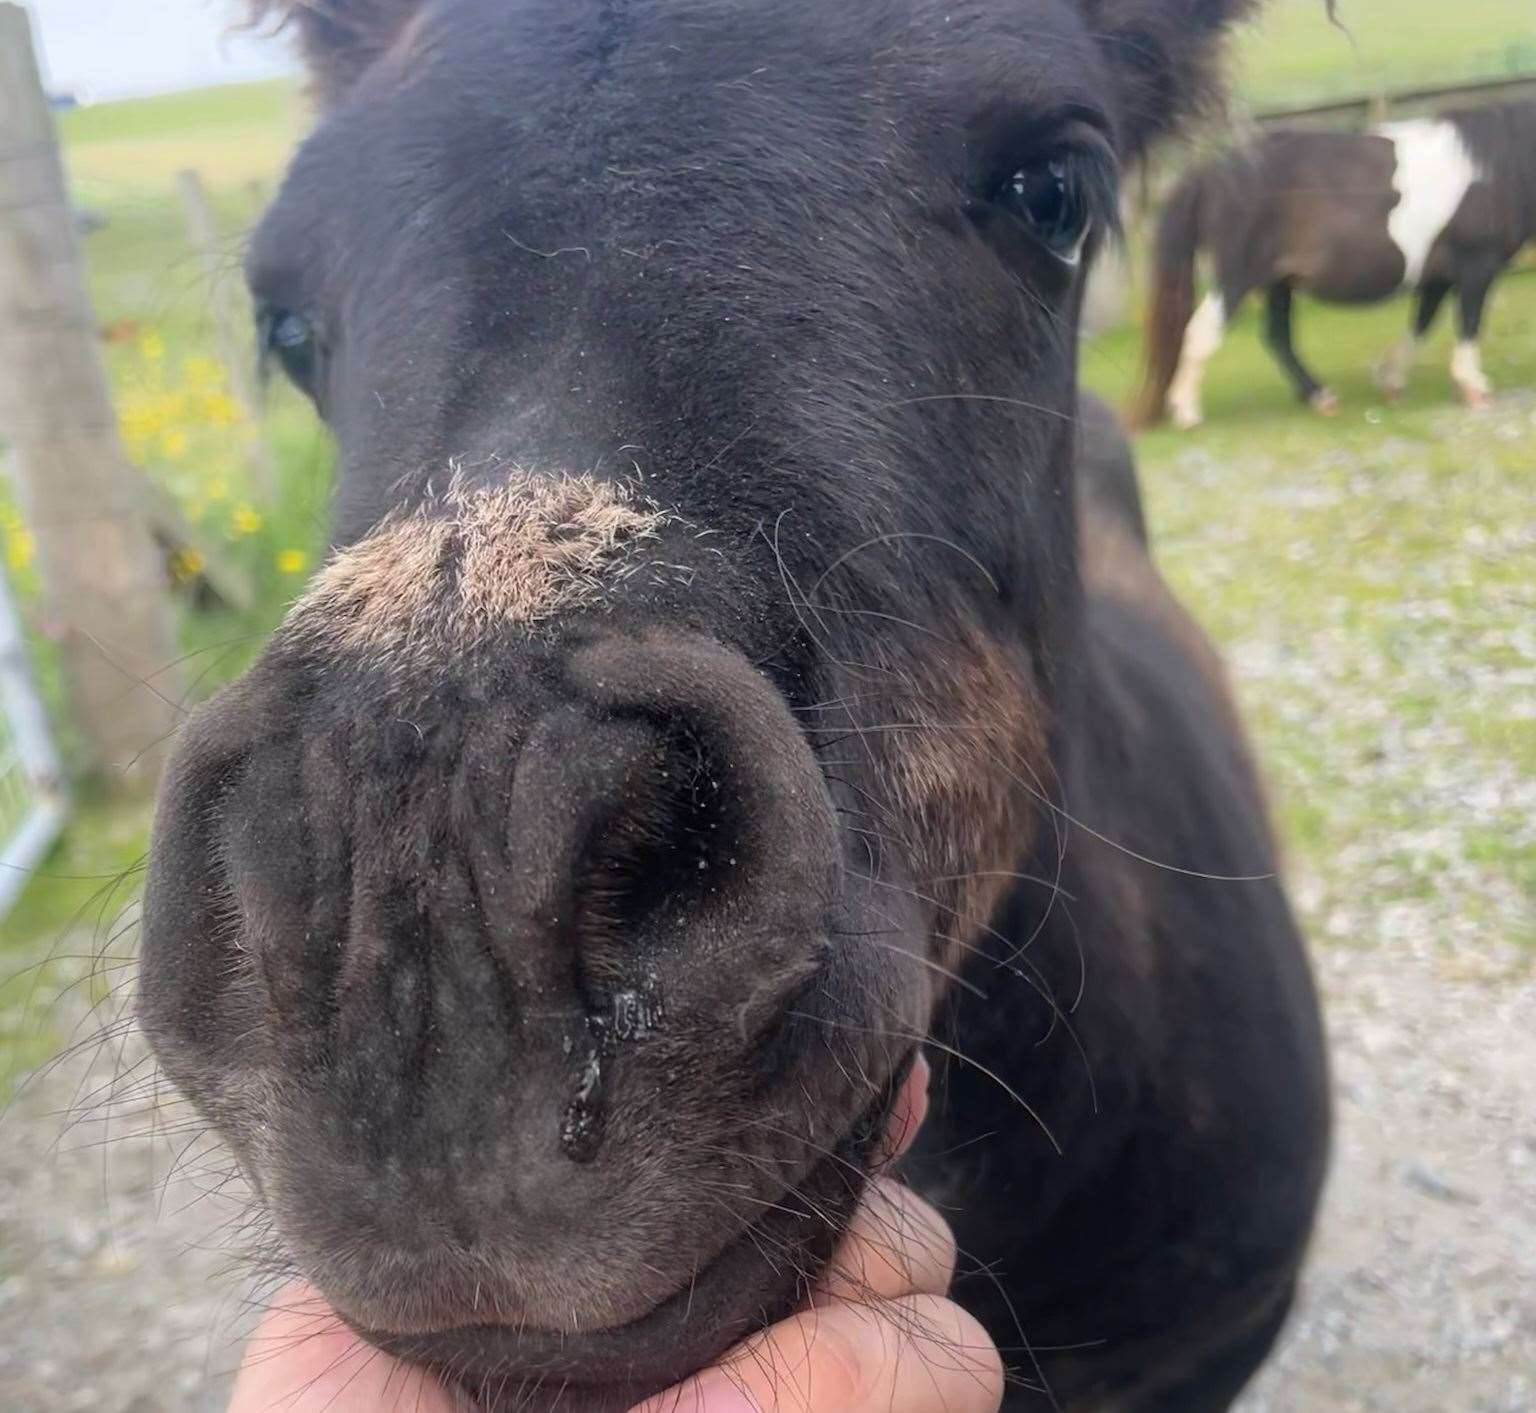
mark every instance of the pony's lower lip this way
{"type": "Point", "coordinates": [620, 1366]}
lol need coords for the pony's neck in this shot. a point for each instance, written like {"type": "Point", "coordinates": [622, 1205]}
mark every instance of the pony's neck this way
{"type": "Point", "coordinates": [1517, 158]}
{"type": "Point", "coordinates": [1525, 156]}
{"type": "Point", "coordinates": [1502, 141]}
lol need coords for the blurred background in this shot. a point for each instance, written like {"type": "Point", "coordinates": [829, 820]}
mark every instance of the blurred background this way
{"type": "Point", "coordinates": [1371, 578]}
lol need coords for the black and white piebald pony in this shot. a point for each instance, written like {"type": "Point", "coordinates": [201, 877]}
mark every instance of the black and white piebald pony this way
{"type": "Point", "coordinates": [1431, 204]}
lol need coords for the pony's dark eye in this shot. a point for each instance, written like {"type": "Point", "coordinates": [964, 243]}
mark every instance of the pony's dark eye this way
{"type": "Point", "coordinates": [1047, 197]}
{"type": "Point", "coordinates": [290, 338]}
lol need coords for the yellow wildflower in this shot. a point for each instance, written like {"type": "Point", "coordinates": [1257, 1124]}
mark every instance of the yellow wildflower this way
{"type": "Point", "coordinates": [291, 561]}
{"type": "Point", "coordinates": [203, 374]}
{"type": "Point", "coordinates": [245, 519]}
{"type": "Point", "coordinates": [186, 564]}
{"type": "Point", "coordinates": [174, 443]}
{"type": "Point", "coordinates": [220, 410]}
{"type": "Point", "coordinates": [152, 346]}
{"type": "Point", "coordinates": [19, 547]}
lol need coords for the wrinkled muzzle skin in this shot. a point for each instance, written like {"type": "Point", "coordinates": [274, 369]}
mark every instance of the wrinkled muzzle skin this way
{"type": "Point", "coordinates": [533, 1008]}
{"type": "Point", "coordinates": [549, 917]}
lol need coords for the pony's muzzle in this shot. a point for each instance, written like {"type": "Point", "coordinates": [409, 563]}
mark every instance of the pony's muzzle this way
{"type": "Point", "coordinates": [452, 975]}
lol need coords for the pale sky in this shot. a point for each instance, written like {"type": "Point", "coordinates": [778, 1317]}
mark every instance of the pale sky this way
{"type": "Point", "coordinates": [118, 48]}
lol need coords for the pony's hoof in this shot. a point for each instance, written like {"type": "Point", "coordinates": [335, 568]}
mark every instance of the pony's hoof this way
{"type": "Point", "coordinates": [1391, 377]}
{"type": "Point", "coordinates": [1325, 403]}
{"type": "Point", "coordinates": [1185, 413]}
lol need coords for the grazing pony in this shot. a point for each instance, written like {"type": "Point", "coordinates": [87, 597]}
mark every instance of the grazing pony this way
{"type": "Point", "coordinates": [1433, 204]}
{"type": "Point", "coordinates": [714, 696]}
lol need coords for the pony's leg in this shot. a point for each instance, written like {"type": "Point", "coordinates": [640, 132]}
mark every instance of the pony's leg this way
{"type": "Point", "coordinates": [1474, 277]}
{"type": "Point", "coordinates": [1392, 375]}
{"type": "Point", "coordinates": [1277, 333]}
{"type": "Point", "coordinates": [1201, 340]}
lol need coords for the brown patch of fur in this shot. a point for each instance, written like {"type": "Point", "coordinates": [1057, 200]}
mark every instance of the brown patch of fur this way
{"type": "Point", "coordinates": [967, 776]}
{"type": "Point", "coordinates": [434, 582]}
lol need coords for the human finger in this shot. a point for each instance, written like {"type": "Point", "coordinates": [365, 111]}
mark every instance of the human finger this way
{"type": "Point", "coordinates": [919, 1354]}
{"type": "Point", "coordinates": [896, 1245]}
{"type": "Point", "coordinates": [302, 1359]}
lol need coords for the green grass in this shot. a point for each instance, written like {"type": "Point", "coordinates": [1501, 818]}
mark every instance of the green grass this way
{"type": "Point", "coordinates": [1268, 517]}
{"type": "Point", "coordinates": [62, 945]}
{"type": "Point", "coordinates": [153, 298]}
{"type": "Point", "coordinates": [1371, 579]}
{"type": "Point", "coordinates": [131, 151]}
{"type": "Point", "coordinates": [1293, 55]}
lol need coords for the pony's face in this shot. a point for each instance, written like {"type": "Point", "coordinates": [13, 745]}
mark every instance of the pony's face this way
{"type": "Point", "coordinates": [548, 918]}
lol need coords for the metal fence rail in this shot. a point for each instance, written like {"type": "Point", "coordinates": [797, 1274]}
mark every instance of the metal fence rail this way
{"type": "Point", "coordinates": [33, 805]}
{"type": "Point", "coordinates": [1359, 110]}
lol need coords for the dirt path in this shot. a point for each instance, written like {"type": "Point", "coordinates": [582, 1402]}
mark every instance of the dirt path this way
{"type": "Point", "coordinates": [116, 1295]}
{"type": "Point", "coordinates": [1421, 1293]}
{"type": "Point", "coordinates": [116, 1292]}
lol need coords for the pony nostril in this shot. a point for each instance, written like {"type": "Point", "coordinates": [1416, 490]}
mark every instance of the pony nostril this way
{"type": "Point", "coordinates": [653, 859]}
{"type": "Point", "coordinates": [632, 834]}
{"type": "Point", "coordinates": [745, 753]}
{"type": "Point", "coordinates": [750, 865]}
{"type": "Point", "coordinates": [601, 827]}
{"type": "Point", "coordinates": [671, 865]}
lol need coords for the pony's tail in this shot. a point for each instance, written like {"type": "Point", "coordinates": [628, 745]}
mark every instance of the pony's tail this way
{"type": "Point", "coordinates": [1172, 302]}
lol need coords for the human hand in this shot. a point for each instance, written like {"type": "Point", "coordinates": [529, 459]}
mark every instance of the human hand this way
{"type": "Point", "coordinates": [302, 1359]}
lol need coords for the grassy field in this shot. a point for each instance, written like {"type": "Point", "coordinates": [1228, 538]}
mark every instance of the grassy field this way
{"type": "Point", "coordinates": [1295, 55]}
{"type": "Point", "coordinates": [1370, 576]}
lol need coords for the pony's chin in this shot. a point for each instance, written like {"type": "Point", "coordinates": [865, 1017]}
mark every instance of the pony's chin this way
{"type": "Point", "coordinates": [759, 1278]}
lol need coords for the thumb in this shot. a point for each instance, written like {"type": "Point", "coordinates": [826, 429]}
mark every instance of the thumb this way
{"type": "Point", "coordinates": [302, 1359]}
{"type": "Point", "coordinates": [912, 1355]}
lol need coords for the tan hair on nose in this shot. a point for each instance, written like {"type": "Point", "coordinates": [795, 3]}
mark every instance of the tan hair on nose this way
{"type": "Point", "coordinates": [445, 576]}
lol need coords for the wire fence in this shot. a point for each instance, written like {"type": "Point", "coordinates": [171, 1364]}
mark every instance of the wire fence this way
{"type": "Point", "coordinates": [1361, 109]}
{"type": "Point", "coordinates": [33, 804]}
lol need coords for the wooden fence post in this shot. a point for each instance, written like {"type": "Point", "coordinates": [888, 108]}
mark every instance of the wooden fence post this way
{"type": "Point", "coordinates": [105, 594]}
{"type": "Point", "coordinates": [236, 340]}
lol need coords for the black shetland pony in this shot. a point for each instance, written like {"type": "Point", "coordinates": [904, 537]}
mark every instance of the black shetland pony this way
{"type": "Point", "coordinates": [1432, 204]}
{"type": "Point", "coordinates": [736, 671]}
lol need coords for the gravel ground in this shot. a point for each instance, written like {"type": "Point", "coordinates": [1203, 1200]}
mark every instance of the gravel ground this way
{"type": "Point", "coordinates": [1421, 1292]}
{"type": "Point", "coordinates": [118, 1293]}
